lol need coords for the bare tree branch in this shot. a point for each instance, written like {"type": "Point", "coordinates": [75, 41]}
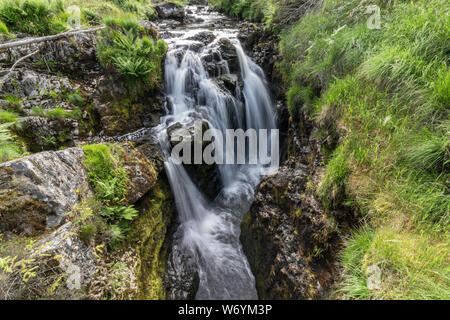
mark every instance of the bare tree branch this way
{"type": "Point", "coordinates": [19, 43]}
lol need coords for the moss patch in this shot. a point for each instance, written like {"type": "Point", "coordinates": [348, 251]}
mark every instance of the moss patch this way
{"type": "Point", "coordinates": [148, 234]}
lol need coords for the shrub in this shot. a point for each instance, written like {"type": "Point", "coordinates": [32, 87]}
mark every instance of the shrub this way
{"type": "Point", "coordinates": [76, 99]}
{"type": "Point", "coordinates": [136, 57]}
{"type": "Point", "coordinates": [106, 173]}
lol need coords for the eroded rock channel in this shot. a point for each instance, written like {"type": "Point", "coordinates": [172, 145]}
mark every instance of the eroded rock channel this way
{"type": "Point", "coordinates": [193, 231]}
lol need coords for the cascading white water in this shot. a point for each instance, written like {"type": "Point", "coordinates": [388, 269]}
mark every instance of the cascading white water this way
{"type": "Point", "coordinates": [210, 230]}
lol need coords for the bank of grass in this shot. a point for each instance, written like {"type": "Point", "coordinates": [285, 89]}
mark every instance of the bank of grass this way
{"type": "Point", "coordinates": [36, 17]}
{"type": "Point", "coordinates": [384, 93]}
{"type": "Point", "coordinates": [254, 10]}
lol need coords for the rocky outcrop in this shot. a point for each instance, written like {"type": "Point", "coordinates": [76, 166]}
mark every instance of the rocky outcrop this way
{"type": "Point", "coordinates": [287, 229]}
{"type": "Point", "coordinates": [42, 133]}
{"type": "Point", "coordinates": [229, 54]}
{"type": "Point", "coordinates": [140, 171]}
{"type": "Point", "coordinates": [170, 10]}
{"type": "Point", "coordinates": [74, 259]}
{"type": "Point", "coordinates": [120, 114]}
{"type": "Point", "coordinates": [28, 83]}
{"type": "Point", "coordinates": [74, 56]}
{"type": "Point", "coordinates": [36, 191]}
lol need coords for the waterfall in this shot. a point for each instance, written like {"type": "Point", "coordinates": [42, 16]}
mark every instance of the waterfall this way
{"type": "Point", "coordinates": [210, 228]}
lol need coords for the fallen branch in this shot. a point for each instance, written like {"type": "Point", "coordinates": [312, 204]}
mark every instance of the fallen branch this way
{"type": "Point", "coordinates": [25, 42]}
{"type": "Point", "coordinates": [23, 58]}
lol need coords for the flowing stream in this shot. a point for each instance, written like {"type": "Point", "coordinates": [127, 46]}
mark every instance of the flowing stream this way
{"type": "Point", "coordinates": [209, 228]}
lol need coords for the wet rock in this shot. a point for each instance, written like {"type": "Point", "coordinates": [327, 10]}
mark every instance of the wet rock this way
{"type": "Point", "coordinates": [214, 63]}
{"type": "Point", "coordinates": [205, 176]}
{"type": "Point", "coordinates": [170, 10]}
{"type": "Point", "coordinates": [182, 273]}
{"type": "Point", "coordinates": [228, 52]}
{"type": "Point", "coordinates": [287, 229]}
{"type": "Point", "coordinates": [149, 146]}
{"type": "Point", "coordinates": [36, 191]}
{"type": "Point", "coordinates": [262, 46]}
{"type": "Point", "coordinates": [228, 82]}
{"type": "Point", "coordinates": [186, 131]}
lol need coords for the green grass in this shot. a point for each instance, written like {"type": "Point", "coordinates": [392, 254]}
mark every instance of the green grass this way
{"type": "Point", "coordinates": [56, 113]}
{"type": "Point", "coordinates": [254, 10]}
{"type": "Point", "coordinates": [10, 147]}
{"type": "Point", "coordinates": [7, 116]}
{"type": "Point", "coordinates": [3, 28]}
{"type": "Point", "coordinates": [36, 17]}
{"type": "Point", "coordinates": [383, 98]}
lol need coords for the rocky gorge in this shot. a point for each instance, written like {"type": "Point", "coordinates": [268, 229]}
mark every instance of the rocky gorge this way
{"type": "Point", "coordinates": [92, 205]}
{"type": "Point", "coordinates": [48, 197]}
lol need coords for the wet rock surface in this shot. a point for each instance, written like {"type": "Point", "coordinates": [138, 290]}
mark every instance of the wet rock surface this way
{"type": "Point", "coordinates": [262, 46]}
{"type": "Point", "coordinates": [287, 229]}
{"type": "Point", "coordinates": [182, 278]}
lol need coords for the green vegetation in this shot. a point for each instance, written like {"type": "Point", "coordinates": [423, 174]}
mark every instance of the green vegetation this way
{"type": "Point", "coordinates": [10, 145]}
{"type": "Point", "coordinates": [7, 116]}
{"type": "Point", "coordinates": [3, 28]}
{"type": "Point", "coordinates": [148, 235]}
{"type": "Point", "coordinates": [37, 17]}
{"type": "Point", "coordinates": [130, 50]}
{"type": "Point", "coordinates": [107, 175]}
{"type": "Point", "coordinates": [384, 99]}
{"type": "Point", "coordinates": [56, 113]}
{"type": "Point", "coordinates": [254, 10]}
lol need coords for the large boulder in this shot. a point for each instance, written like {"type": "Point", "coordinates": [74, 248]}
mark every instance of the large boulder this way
{"type": "Point", "coordinates": [141, 173]}
{"type": "Point", "coordinates": [75, 259]}
{"type": "Point", "coordinates": [36, 191]}
{"type": "Point", "coordinates": [170, 10]}
{"type": "Point", "coordinates": [287, 229]}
